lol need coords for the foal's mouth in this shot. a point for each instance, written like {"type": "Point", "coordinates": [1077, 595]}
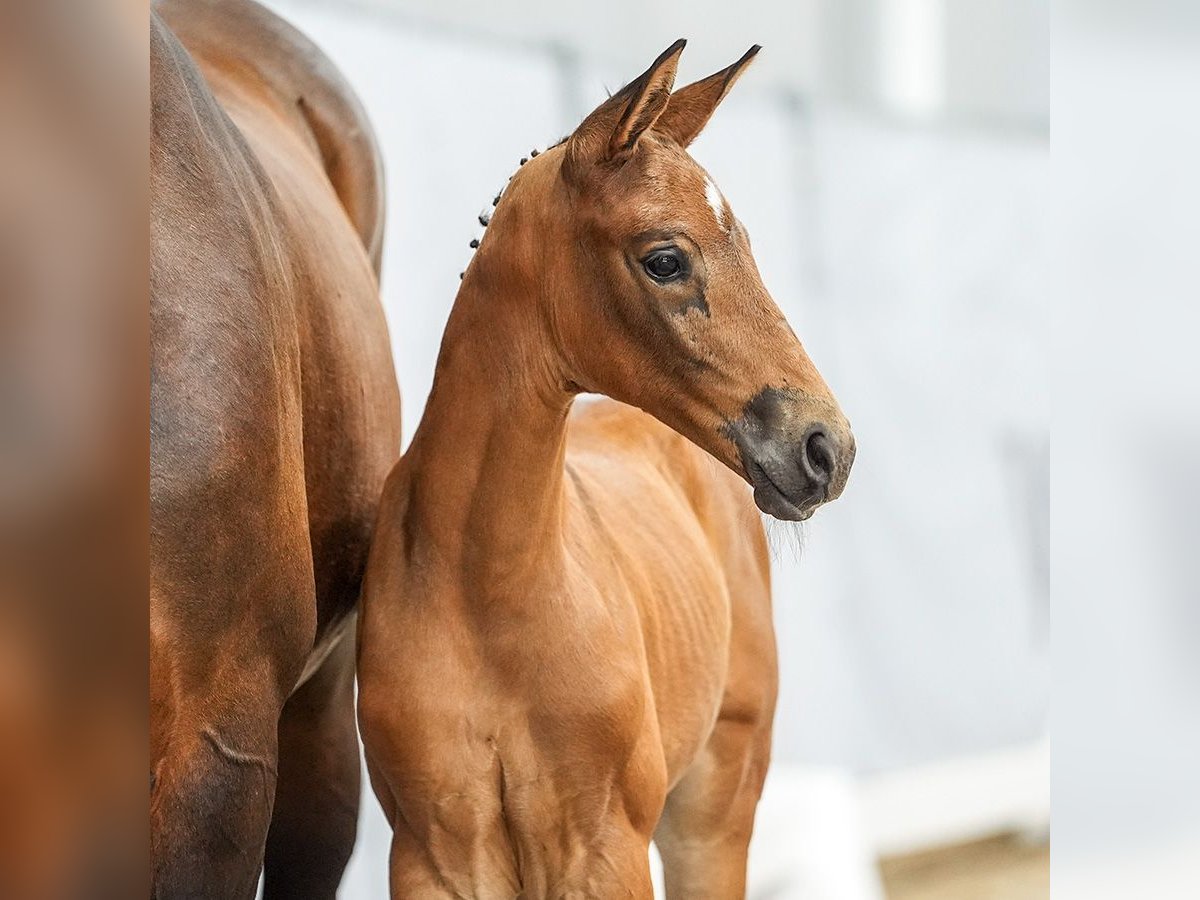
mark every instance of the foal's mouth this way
{"type": "Point", "coordinates": [771, 499]}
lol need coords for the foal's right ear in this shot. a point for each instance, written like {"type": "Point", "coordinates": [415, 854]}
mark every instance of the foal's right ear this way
{"type": "Point", "coordinates": [691, 107]}
{"type": "Point", "coordinates": [611, 132]}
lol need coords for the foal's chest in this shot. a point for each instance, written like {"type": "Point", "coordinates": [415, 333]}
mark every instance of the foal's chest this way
{"type": "Point", "coordinates": [536, 801]}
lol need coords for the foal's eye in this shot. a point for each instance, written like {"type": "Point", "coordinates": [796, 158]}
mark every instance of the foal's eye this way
{"type": "Point", "coordinates": [663, 265]}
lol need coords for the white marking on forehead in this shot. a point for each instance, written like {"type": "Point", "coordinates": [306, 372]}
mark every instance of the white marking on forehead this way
{"type": "Point", "coordinates": [712, 193]}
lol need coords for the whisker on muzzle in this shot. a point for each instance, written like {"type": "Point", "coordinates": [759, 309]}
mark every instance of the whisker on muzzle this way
{"type": "Point", "coordinates": [786, 540]}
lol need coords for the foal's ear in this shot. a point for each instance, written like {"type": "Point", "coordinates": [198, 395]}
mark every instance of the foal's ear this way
{"type": "Point", "coordinates": [612, 131]}
{"type": "Point", "coordinates": [691, 107]}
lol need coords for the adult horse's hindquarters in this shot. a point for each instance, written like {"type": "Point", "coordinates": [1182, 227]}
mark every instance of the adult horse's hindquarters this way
{"type": "Point", "coordinates": [274, 420]}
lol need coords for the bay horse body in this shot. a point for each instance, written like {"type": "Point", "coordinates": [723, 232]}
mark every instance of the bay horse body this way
{"type": "Point", "coordinates": [274, 422]}
{"type": "Point", "coordinates": [566, 647]}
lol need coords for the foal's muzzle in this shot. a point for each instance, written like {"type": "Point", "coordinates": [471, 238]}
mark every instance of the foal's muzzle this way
{"type": "Point", "coordinates": [795, 456]}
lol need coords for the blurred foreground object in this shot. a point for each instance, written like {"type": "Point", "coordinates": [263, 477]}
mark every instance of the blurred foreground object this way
{"type": "Point", "coordinates": [73, 449]}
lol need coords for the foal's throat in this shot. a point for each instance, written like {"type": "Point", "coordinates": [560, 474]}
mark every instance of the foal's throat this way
{"type": "Point", "coordinates": [486, 466]}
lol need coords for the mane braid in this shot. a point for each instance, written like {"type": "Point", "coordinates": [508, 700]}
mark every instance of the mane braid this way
{"type": "Point", "coordinates": [485, 215]}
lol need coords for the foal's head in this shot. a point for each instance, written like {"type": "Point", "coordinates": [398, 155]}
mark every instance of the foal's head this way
{"type": "Point", "coordinates": [646, 282]}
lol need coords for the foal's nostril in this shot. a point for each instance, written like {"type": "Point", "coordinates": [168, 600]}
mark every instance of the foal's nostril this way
{"type": "Point", "coordinates": [819, 458]}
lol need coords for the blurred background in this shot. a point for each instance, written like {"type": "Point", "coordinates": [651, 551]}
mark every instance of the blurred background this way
{"type": "Point", "coordinates": [890, 159]}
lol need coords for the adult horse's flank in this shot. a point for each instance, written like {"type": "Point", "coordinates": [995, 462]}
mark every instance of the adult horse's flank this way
{"type": "Point", "coordinates": [275, 418]}
{"type": "Point", "coordinates": [566, 645]}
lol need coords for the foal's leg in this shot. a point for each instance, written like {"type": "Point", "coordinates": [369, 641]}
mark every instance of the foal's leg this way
{"type": "Point", "coordinates": [316, 801]}
{"type": "Point", "coordinates": [704, 834]}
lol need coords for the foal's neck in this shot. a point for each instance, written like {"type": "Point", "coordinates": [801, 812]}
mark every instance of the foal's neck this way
{"type": "Point", "coordinates": [486, 464]}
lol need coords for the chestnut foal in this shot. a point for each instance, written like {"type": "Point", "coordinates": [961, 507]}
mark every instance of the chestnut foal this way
{"type": "Point", "coordinates": [566, 645]}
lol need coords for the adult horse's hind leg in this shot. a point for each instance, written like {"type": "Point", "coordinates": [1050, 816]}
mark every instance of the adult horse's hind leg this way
{"type": "Point", "coordinates": [211, 799]}
{"type": "Point", "coordinates": [316, 800]}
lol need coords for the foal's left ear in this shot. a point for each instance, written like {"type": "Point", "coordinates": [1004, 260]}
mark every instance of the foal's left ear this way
{"type": "Point", "coordinates": [612, 131]}
{"type": "Point", "coordinates": [691, 107]}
